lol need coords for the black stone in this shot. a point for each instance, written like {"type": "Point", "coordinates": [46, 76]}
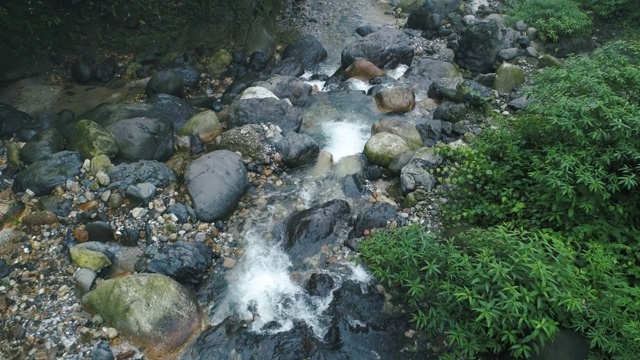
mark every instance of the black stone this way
{"type": "Point", "coordinates": [99, 231]}
{"type": "Point", "coordinates": [183, 261]}
{"type": "Point", "coordinates": [319, 285]}
{"type": "Point", "coordinates": [375, 216]}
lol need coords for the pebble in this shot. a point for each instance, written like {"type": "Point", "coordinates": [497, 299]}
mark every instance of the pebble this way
{"type": "Point", "coordinates": [228, 263]}
{"type": "Point", "coordinates": [103, 178]}
{"type": "Point", "coordinates": [138, 213]}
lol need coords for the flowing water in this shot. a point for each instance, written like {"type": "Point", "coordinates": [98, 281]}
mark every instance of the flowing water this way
{"type": "Point", "coordinates": [260, 308]}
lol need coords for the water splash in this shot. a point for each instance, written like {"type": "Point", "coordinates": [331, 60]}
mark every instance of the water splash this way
{"type": "Point", "coordinates": [344, 138]}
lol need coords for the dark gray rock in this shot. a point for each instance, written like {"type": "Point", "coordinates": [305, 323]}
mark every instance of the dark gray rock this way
{"type": "Point", "coordinates": [288, 87]}
{"type": "Point", "coordinates": [518, 103]}
{"type": "Point", "coordinates": [12, 120]}
{"type": "Point", "coordinates": [216, 181]}
{"type": "Point", "coordinates": [106, 70]}
{"type": "Point", "coordinates": [433, 131]}
{"type": "Point", "coordinates": [297, 149]}
{"type": "Point", "coordinates": [266, 110]}
{"type": "Point", "coordinates": [99, 231]}
{"type": "Point", "coordinates": [142, 193]}
{"type": "Point", "coordinates": [102, 352]}
{"type": "Point", "coordinates": [443, 89]}
{"type": "Point", "coordinates": [386, 48]}
{"type": "Point", "coordinates": [474, 94]}
{"type": "Point", "coordinates": [42, 145]}
{"type": "Point", "coordinates": [429, 15]}
{"type": "Point", "coordinates": [166, 81]}
{"type": "Point", "coordinates": [190, 75]}
{"type": "Point", "coordinates": [306, 50]}
{"type": "Point", "coordinates": [125, 175]}
{"type": "Point", "coordinates": [399, 162]}
{"type": "Point", "coordinates": [306, 231]}
{"type": "Point", "coordinates": [365, 30]}
{"type": "Point", "coordinates": [353, 186]}
{"type": "Point", "coordinates": [176, 109]}
{"type": "Point", "coordinates": [319, 284]}
{"type": "Point", "coordinates": [185, 262]}
{"type": "Point", "coordinates": [417, 173]}
{"type": "Point", "coordinates": [374, 217]}
{"type": "Point", "coordinates": [288, 67]}
{"type": "Point", "coordinates": [450, 112]}
{"type": "Point", "coordinates": [240, 84]}
{"type": "Point", "coordinates": [509, 54]}
{"type": "Point", "coordinates": [81, 71]}
{"type": "Point", "coordinates": [5, 269]}
{"type": "Point", "coordinates": [258, 61]}
{"type": "Point", "coordinates": [143, 138]}
{"type": "Point", "coordinates": [180, 211]}
{"type": "Point", "coordinates": [480, 43]}
{"type": "Point", "coordinates": [44, 175]}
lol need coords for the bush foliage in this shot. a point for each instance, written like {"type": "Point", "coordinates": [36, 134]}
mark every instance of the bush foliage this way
{"type": "Point", "coordinates": [554, 19]}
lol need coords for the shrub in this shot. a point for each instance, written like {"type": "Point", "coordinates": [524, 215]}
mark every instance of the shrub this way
{"type": "Point", "coordinates": [554, 19]}
{"type": "Point", "coordinates": [500, 291]}
{"type": "Point", "coordinates": [609, 8]}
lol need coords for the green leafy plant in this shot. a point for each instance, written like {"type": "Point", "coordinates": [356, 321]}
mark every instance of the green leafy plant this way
{"type": "Point", "coordinates": [554, 19]}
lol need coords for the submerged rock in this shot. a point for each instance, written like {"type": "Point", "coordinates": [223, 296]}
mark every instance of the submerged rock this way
{"type": "Point", "coordinates": [297, 149]}
{"type": "Point", "coordinates": [376, 216]}
{"type": "Point", "coordinates": [405, 129]}
{"type": "Point", "coordinates": [183, 261]}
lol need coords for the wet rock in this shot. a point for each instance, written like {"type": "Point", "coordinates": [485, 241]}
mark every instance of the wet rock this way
{"type": "Point", "coordinates": [99, 231]}
{"type": "Point", "coordinates": [547, 60]}
{"type": "Point", "coordinates": [353, 186]}
{"type": "Point", "coordinates": [89, 259]}
{"type": "Point", "coordinates": [102, 352]}
{"type": "Point", "coordinates": [443, 89]}
{"type": "Point", "coordinates": [417, 173]}
{"type": "Point", "coordinates": [288, 67]}
{"type": "Point", "coordinates": [215, 182]}
{"type": "Point", "coordinates": [395, 100]}
{"type": "Point", "coordinates": [508, 76]}
{"type": "Point", "coordinates": [268, 110]}
{"type": "Point", "coordinates": [383, 147]}
{"type": "Point", "coordinates": [141, 194]}
{"type": "Point", "coordinates": [509, 54]}
{"type": "Point", "coordinates": [375, 216]}
{"type": "Point", "coordinates": [297, 149]}
{"type": "Point", "coordinates": [244, 140]}
{"type": "Point", "coordinates": [257, 92]}
{"type": "Point", "coordinates": [240, 84]}
{"type": "Point", "coordinates": [399, 162]}
{"type": "Point", "coordinates": [176, 109]}
{"type": "Point", "coordinates": [12, 120]}
{"type": "Point", "coordinates": [183, 261]}
{"type": "Point", "coordinates": [42, 145]}
{"type": "Point", "coordinates": [386, 48]}
{"type": "Point", "coordinates": [156, 173]}
{"type": "Point", "coordinates": [480, 43]}
{"type": "Point", "coordinates": [44, 175]}
{"type": "Point", "coordinates": [180, 211]}
{"type": "Point", "coordinates": [91, 140]}
{"type": "Point", "coordinates": [474, 94]}
{"type": "Point", "coordinates": [373, 172]}
{"type": "Point", "coordinates": [288, 87]}
{"type": "Point", "coordinates": [5, 269]}
{"type": "Point", "coordinates": [143, 138]}
{"type": "Point", "coordinates": [204, 125]}
{"type": "Point", "coordinates": [451, 112]}
{"type": "Point", "coordinates": [218, 62]}
{"type": "Point", "coordinates": [81, 71]}
{"type": "Point", "coordinates": [151, 310]}
{"type": "Point", "coordinates": [106, 70]}
{"type": "Point", "coordinates": [364, 70]}
{"type": "Point", "coordinates": [39, 218]}
{"type": "Point", "coordinates": [319, 284]}
{"type": "Point", "coordinates": [307, 50]}
{"type": "Point", "coordinates": [258, 61]}
{"type": "Point", "coordinates": [190, 75]}
{"type": "Point", "coordinates": [306, 231]}
{"type": "Point", "coordinates": [100, 163]}
{"type": "Point", "coordinates": [365, 30]}
{"type": "Point", "coordinates": [405, 129]}
{"type": "Point", "coordinates": [433, 131]}
{"type": "Point", "coordinates": [429, 15]}
{"type": "Point", "coordinates": [166, 82]}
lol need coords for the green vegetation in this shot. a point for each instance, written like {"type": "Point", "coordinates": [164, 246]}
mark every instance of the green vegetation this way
{"type": "Point", "coordinates": [622, 9]}
{"type": "Point", "coordinates": [553, 193]}
{"type": "Point", "coordinates": [554, 19]}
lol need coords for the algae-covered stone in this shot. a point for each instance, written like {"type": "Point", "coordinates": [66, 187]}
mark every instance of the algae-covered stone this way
{"type": "Point", "coordinates": [205, 125]}
{"type": "Point", "coordinates": [153, 311]}
{"type": "Point", "coordinates": [91, 140]}
{"type": "Point", "coordinates": [89, 259]}
{"type": "Point", "coordinates": [508, 76]}
{"type": "Point", "coordinates": [218, 62]}
{"type": "Point", "coordinates": [547, 60]}
{"type": "Point", "coordinates": [100, 163]}
{"type": "Point", "coordinates": [244, 140]}
{"type": "Point", "coordinates": [383, 147]}
{"type": "Point", "coordinates": [395, 100]}
{"type": "Point", "coordinates": [405, 129]}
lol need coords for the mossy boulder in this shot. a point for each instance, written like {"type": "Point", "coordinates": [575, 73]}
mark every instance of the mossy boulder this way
{"type": "Point", "coordinates": [383, 147]}
{"type": "Point", "coordinates": [218, 62]}
{"type": "Point", "coordinates": [244, 140]}
{"type": "Point", "coordinates": [405, 129]}
{"type": "Point", "coordinates": [89, 259]}
{"type": "Point", "coordinates": [153, 311]}
{"type": "Point", "coordinates": [508, 76]}
{"type": "Point", "coordinates": [91, 140]}
{"type": "Point", "coordinates": [204, 125]}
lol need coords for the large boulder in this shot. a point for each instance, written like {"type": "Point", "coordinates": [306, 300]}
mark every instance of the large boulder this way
{"type": "Point", "coordinates": [143, 171]}
{"type": "Point", "coordinates": [508, 76]}
{"type": "Point", "coordinates": [431, 13]}
{"type": "Point", "coordinates": [297, 149]}
{"type": "Point", "coordinates": [12, 120]}
{"type": "Point", "coordinates": [386, 48]}
{"type": "Point", "coordinates": [434, 69]}
{"type": "Point", "coordinates": [266, 110]}
{"type": "Point", "coordinates": [450, 111]}
{"type": "Point", "coordinates": [151, 310]}
{"type": "Point", "coordinates": [176, 109]}
{"type": "Point", "coordinates": [405, 129]}
{"type": "Point", "coordinates": [480, 43]}
{"type": "Point", "coordinates": [244, 140]}
{"type": "Point", "coordinates": [143, 138]}
{"type": "Point", "coordinates": [166, 81]}
{"type": "Point", "coordinates": [288, 67]}
{"type": "Point", "coordinates": [185, 262]}
{"type": "Point", "coordinates": [418, 172]}
{"type": "Point", "coordinates": [42, 145]}
{"type": "Point", "coordinates": [395, 100]}
{"type": "Point", "coordinates": [44, 175]}
{"type": "Point", "coordinates": [91, 140]}
{"type": "Point", "coordinates": [376, 216]}
{"type": "Point", "coordinates": [306, 231]}
{"type": "Point", "coordinates": [307, 50]}
{"type": "Point", "coordinates": [383, 147]}
{"type": "Point", "coordinates": [163, 107]}
{"type": "Point", "coordinates": [288, 87]}
{"type": "Point", "coordinates": [204, 125]}
{"type": "Point", "coordinates": [216, 181]}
